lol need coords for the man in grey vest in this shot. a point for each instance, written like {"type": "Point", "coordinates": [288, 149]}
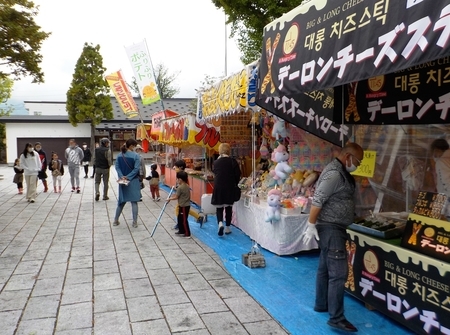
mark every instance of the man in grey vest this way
{"type": "Point", "coordinates": [332, 210]}
{"type": "Point", "coordinates": [103, 161]}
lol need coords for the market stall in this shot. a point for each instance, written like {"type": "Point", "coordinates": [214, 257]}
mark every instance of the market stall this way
{"type": "Point", "coordinates": [386, 64]}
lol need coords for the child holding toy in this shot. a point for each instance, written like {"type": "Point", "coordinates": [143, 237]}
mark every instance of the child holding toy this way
{"type": "Point", "coordinates": [183, 195]}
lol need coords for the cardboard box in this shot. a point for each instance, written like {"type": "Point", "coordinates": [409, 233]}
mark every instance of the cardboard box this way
{"type": "Point", "coordinates": [254, 260]}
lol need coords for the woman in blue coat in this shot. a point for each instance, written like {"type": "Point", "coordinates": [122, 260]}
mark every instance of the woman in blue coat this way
{"type": "Point", "coordinates": [127, 166]}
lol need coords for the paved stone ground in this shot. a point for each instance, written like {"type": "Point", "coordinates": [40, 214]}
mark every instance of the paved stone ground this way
{"type": "Point", "coordinates": [65, 270]}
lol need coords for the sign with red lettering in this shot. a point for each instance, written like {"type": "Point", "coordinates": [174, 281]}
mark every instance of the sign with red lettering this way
{"type": "Point", "coordinates": [328, 43]}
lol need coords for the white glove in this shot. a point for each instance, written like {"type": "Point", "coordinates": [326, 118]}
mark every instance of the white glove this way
{"type": "Point", "coordinates": [310, 232]}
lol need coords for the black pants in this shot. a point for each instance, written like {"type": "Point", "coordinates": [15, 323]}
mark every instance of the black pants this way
{"type": "Point", "coordinates": [93, 170]}
{"type": "Point", "coordinates": [86, 169]}
{"type": "Point", "coordinates": [183, 222]}
{"type": "Point", "coordinates": [228, 214]}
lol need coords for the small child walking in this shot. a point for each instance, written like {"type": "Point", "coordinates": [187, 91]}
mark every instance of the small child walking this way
{"type": "Point", "coordinates": [57, 168]}
{"type": "Point", "coordinates": [18, 177]}
{"type": "Point", "coordinates": [154, 182]}
{"type": "Point", "coordinates": [183, 195]}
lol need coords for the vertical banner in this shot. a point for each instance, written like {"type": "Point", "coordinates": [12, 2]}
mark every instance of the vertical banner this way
{"type": "Point", "coordinates": [143, 72]}
{"type": "Point", "coordinates": [122, 93]}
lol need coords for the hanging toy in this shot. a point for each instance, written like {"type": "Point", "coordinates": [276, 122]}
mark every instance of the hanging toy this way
{"type": "Point", "coordinates": [263, 150]}
{"type": "Point", "coordinates": [273, 209]}
{"type": "Point", "coordinates": [282, 169]}
{"type": "Point", "coordinates": [279, 131]}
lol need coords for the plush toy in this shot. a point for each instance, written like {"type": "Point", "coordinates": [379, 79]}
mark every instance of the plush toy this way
{"type": "Point", "coordinates": [279, 131]}
{"type": "Point", "coordinates": [273, 209]}
{"type": "Point", "coordinates": [298, 181]}
{"type": "Point", "coordinates": [282, 169]}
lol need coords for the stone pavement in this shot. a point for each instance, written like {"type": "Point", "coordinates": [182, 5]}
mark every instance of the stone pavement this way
{"type": "Point", "coordinates": [65, 270]}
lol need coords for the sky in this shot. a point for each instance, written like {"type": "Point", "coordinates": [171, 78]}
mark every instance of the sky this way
{"type": "Point", "coordinates": [186, 36]}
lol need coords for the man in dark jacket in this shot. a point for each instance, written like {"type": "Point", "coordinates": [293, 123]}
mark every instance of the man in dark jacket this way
{"type": "Point", "coordinates": [42, 175]}
{"type": "Point", "coordinates": [103, 161]}
{"type": "Point", "coordinates": [226, 178]}
{"type": "Point", "coordinates": [332, 211]}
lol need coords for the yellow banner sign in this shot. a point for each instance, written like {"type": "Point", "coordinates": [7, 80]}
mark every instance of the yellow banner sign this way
{"type": "Point", "coordinates": [229, 95]}
{"type": "Point", "coordinates": [122, 93]}
{"type": "Point", "coordinates": [367, 167]}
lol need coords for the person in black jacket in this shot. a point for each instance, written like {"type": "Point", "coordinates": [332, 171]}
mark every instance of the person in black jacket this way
{"type": "Point", "coordinates": [226, 178]}
{"type": "Point", "coordinates": [86, 159]}
{"type": "Point", "coordinates": [103, 162]}
{"type": "Point", "coordinates": [42, 175]}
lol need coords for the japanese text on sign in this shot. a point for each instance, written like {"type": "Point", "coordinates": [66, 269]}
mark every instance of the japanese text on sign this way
{"type": "Point", "coordinates": [367, 166]}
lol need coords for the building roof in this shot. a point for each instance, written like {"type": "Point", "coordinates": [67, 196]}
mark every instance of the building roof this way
{"type": "Point", "coordinates": [179, 105]}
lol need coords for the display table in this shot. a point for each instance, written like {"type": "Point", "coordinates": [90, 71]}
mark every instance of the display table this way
{"type": "Point", "coordinates": [409, 287]}
{"type": "Point", "coordinates": [282, 238]}
{"type": "Point", "coordinates": [198, 185]}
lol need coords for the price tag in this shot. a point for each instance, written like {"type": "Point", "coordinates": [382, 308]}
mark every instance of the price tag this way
{"type": "Point", "coordinates": [367, 167]}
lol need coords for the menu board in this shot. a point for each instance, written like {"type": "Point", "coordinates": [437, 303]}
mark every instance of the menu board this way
{"type": "Point", "coordinates": [430, 204]}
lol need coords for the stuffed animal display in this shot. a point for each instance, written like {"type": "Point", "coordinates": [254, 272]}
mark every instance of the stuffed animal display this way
{"type": "Point", "coordinates": [282, 169]}
{"type": "Point", "coordinates": [279, 131]}
{"type": "Point", "coordinates": [273, 213]}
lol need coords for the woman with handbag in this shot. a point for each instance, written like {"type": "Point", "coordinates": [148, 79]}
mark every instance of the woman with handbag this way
{"type": "Point", "coordinates": [226, 191]}
{"type": "Point", "coordinates": [127, 166]}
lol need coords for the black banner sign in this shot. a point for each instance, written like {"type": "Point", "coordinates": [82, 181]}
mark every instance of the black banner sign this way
{"type": "Point", "coordinates": [327, 43]}
{"type": "Point", "coordinates": [412, 289]}
{"type": "Point", "coordinates": [427, 236]}
{"type": "Point", "coordinates": [417, 95]}
{"type": "Point", "coordinates": [313, 112]}
{"type": "Point", "coordinates": [430, 204]}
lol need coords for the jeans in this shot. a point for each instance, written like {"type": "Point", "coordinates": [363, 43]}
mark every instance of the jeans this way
{"type": "Point", "coordinates": [99, 175]}
{"type": "Point", "coordinates": [134, 210]}
{"type": "Point", "coordinates": [332, 271]}
{"type": "Point", "coordinates": [74, 171]}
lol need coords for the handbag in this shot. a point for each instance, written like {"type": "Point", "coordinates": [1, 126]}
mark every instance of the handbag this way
{"type": "Point", "coordinates": [154, 181]}
{"type": "Point", "coordinates": [236, 188]}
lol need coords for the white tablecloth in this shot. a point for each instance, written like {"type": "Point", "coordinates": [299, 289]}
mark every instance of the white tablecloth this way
{"type": "Point", "coordinates": [282, 238]}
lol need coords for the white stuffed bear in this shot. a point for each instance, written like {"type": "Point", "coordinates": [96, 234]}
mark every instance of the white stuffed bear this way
{"type": "Point", "coordinates": [282, 169]}
{"type": "Point", "coordinates": [273, 209]}
{"type": "Point", "coordinates": [279, 129]}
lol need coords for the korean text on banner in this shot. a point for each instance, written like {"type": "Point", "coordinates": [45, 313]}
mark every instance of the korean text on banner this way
{"type": "Point", "coordinates": [122, 93]}
{"type": "Point", "coordinates": [143, 72]}
{"type": "Point", "coordinates": [327, 43]}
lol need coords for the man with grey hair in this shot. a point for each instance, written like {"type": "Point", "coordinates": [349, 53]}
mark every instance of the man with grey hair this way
{"type": "Point", "coordinates": [332, 211]}
{"type": "Point", "coordinates": [103, 161]}
{"type": "Point", "coordinates": [74, 155]}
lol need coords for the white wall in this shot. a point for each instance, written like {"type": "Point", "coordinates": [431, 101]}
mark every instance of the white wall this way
{"type": "Point", "coordinates": [39, 131]}
{"type": "Point", "coordinates": [46, 108]}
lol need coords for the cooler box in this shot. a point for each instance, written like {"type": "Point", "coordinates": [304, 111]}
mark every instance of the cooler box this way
{"type": "Point", "coordinates": [207, 208]}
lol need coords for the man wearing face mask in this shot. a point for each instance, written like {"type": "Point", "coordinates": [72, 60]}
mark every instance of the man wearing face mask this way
{"type": "Point", "coordinates": [332, 210]}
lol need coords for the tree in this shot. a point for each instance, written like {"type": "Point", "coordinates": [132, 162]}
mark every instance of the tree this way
{"type": "Point", "coordinates": [164, 81]}
{"type": "Point", "coordinates": [88, 96]}
{"type": "Point", "coordinates": [204, 85]}
{"type": "Point", "coordinates": [20, 40]}
{"type": "Point", "coordinates": [6, 85]}
{"type": "Point", "coordinates": [248, 19]}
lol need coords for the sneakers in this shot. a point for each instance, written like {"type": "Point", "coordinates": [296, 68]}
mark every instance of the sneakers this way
{"type": "Point", "coordinates": [220, 232]}
{"type": "Point", "coordinates": [73, 189]}
{"type": "Point", "coordinates": [32, 200]}
{"type": "Point", "coordinates": [158, 199]}
{"type": "Point", "coordinates": [78, 190]}
{"type": "Point", "coordinates": [134, 224]}
{"type": "Point", "coordinates": [116, 223]}
{"type": "Point", "coordinates": [97, 197]}
{"type": "Point", "coordinates": [105, 197]}
{"type": "Point", "coordinates": [227, 230]}
{"type": "Point", "coordinates": [85, 176]}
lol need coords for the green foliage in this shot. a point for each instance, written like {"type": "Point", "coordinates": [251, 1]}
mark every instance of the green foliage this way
{"type": "Point", "coordinates": [204, 85]}
{"type": "Point", "coordinates": [248, 19]}
{"type": "Point", "coordinates": [6, 85]}
{"type": "Point", "coordinates": [164, 81]}
{"type": "Point", "coordinates": [20, 40]}
{"type": "Point", "coordinates": [88, 96]}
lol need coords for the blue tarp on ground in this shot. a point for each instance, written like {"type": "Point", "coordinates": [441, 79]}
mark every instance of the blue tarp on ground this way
{"type": "Point", "coordinates": [286, 286]}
